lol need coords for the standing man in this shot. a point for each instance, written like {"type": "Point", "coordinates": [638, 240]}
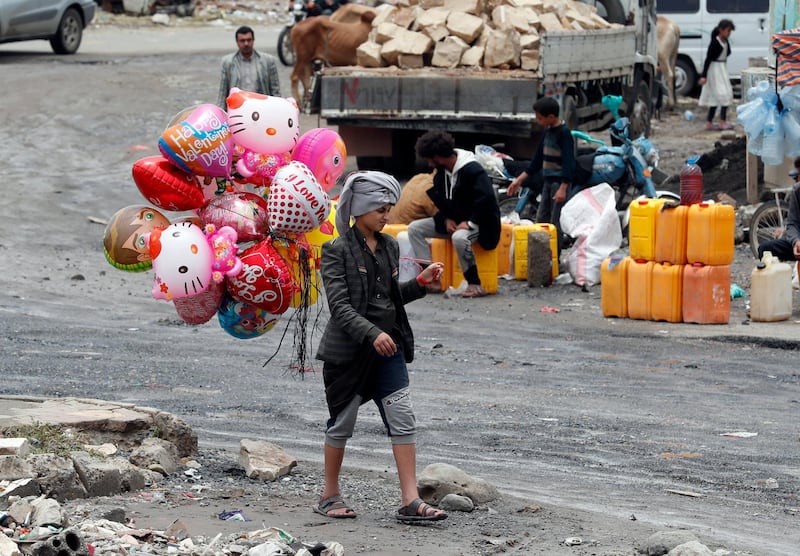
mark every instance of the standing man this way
{"type": "Point", "coordinates": [248, 69]}
{"type": "Point", "coordinates": [468, 212]}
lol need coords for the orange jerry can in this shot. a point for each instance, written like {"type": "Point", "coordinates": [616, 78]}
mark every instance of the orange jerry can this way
{"type": "Point", "coordinates": [706, 293]}
{"type": "Point", "coordinates": [667, 301]}
{"type": "Point", "coordinates": [614, 286]}
{"type": "Point", "coordinates": [671, 234]}
{"type": "Point", "coordinates": [640, 289]}
{"type": "Point", "coordinates": [642, 228]}
{"type": "Point", "coordinates": [710, 229]}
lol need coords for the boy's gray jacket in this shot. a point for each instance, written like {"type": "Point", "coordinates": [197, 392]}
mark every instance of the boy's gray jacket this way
{"type": "Point", "coordinates": [348, 329]}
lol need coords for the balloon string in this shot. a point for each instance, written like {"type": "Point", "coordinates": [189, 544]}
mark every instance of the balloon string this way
{"type": "Point", "coordinates": [418, 262]}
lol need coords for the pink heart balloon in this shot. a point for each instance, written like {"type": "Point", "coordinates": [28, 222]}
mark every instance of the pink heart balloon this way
{"type": "Point", "coordinates": [244, 212]}
{"type": "Point", "coordinates": [200, 143]}
{"type": "Point", "coordinates": [296, 203]}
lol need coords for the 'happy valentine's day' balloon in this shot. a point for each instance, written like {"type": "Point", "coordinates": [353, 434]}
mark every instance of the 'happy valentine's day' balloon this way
{"type": "Point", "coordinates": [163, 185]}
{"type": "Point", "coordinates": [200, 143]}
{"type": "Point", "coordinates": [323, 151]}
{"type": "Point", "coordinates": [296, 202]}
{"type": "Point", "coordinates": [123, 240]}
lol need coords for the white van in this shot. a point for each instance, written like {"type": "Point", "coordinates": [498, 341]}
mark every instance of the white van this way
{"type": "Point", "coordinates": [697, 18]}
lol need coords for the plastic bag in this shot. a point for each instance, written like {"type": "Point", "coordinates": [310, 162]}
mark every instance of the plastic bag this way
{"type": "Point", "coordinates": [492, 161]}
{"type": "Point", "coordinates": [591, 217]}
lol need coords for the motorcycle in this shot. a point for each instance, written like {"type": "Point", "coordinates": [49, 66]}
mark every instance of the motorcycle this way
{"type": "Point", "coordinates": [627, 165]}
{"type": "Point", "coordinates": [298, 12]}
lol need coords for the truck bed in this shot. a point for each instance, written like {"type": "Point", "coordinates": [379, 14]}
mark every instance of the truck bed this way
{"type": "Point", "coordinates": [353, 93]}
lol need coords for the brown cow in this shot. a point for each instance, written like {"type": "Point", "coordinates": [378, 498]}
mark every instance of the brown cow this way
{"type": "Point", "coordinates": [332, 42]}
{"type": "Point", "coordinates": [669, 38]}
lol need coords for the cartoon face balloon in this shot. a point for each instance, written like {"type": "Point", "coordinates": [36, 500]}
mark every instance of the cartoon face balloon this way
{"type": "Point", "coordinates": [124, 239]}
{"type": "Point", "coordinates": [296, 202]}
{"type": "Point", "coordinates": [323, 151]}
{"type": "Point", "coordinates": [182, 260]}
{"type": "Point", "coordinates": [243, 320]}
{"type": "Point", "coordinates": [200, 143]}
{"type": "Point", "coordinates": [261, 123]}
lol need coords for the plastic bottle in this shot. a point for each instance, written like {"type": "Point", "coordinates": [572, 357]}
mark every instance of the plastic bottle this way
{"type": "Point", "coordinates": [691, 182]}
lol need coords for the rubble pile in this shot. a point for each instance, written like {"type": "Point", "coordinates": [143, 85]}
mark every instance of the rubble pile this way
{"type": "Point", "coordinates": [501, 34]}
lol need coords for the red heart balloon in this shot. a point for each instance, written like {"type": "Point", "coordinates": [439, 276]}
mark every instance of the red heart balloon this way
{"type": "Point", "coordinates": [265, 280]}
{"type": "Point", "coordinates": [165, 186]}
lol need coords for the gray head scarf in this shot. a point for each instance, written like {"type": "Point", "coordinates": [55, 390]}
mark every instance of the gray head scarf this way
{"type": "Point", "coordinates": [364, 192]}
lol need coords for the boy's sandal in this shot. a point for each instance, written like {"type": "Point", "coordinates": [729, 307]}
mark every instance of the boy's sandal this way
{"type": "Point", "coordinates": [474, 291]}
{"type": "Point", "coordinates": [725, 127]}
{"type": "Point", "coordinates": [419, 512]}
{"type": "Point", "coordinates": [335, 502]}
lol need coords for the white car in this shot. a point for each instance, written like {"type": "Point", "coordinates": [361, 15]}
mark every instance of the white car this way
{"type": "Point", "coordinates": [60, 21]}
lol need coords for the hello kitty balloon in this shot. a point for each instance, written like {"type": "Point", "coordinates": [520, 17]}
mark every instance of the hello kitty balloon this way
{"type": "Point", "coordinates": [186, 261]}
{"type": "Point", "coordinates": [265, 129]}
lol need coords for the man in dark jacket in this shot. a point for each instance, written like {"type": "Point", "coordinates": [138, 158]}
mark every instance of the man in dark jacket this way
{"type": "Point", "coordinates": [787, 247]}
{"type": "Point", "coordinates": [468, 210]}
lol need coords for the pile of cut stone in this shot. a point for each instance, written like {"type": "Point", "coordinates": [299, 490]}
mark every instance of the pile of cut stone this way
{"type": "Point", "coordinates": [501, 34]}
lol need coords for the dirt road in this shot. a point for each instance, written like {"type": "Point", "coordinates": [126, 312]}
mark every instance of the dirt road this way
{"type": "Point", "coordinates": [599, 421]}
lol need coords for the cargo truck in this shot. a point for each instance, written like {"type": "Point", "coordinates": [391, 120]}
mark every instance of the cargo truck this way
{"type": "Point", "coordinates": [379, 112]}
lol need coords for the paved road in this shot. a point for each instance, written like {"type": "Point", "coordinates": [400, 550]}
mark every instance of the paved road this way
{"type": "Point", "coordinates": [605, 415]}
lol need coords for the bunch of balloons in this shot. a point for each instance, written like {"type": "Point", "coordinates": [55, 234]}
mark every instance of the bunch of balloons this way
{"type": "Point", "coordinates": [257, 195]}
{"type": "Point", "coordinates": [771, 121]}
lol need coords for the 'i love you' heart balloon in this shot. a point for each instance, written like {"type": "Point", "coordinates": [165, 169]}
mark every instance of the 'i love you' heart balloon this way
{"type": "Point", "coordinates": [200, 143]}
{"type": "Point", "coordinates": [296, 203]}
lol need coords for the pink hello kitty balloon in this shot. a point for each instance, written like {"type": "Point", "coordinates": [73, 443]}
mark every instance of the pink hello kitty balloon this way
{"type": "Point", "coordinates": [296, 203]}
{"type": "Point", "coordinates": [265, 130]}
{"type": "Point", "coordinates": [323, 151]}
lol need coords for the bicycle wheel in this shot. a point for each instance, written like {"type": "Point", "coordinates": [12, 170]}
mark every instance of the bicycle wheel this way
{"type": "Point", "coordinates": [766, 223]}
{"type": "Point", "coordinates": [285, 49]}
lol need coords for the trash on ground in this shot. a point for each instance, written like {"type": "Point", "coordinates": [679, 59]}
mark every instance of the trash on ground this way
{"type": "Point", "coordinates": [233, 515]}
{"type": "Point", "coordinates": [740, 434]}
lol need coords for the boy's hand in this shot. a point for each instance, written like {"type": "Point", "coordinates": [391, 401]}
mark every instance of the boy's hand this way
{"type": "Point", "coordinates": [561, 194]}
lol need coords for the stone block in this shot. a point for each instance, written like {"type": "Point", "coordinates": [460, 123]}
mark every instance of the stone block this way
{"type": "Point", "coordinates": [156, 452]}
{"type": "Point", "coordinates": [502, 49]}
{"type": "Point", "coordinates": [472, 57]}
{"type": "Point", "coordinates": [433, 16]}
{"type": "Point", "coordinates": [263, 460]}
{"type": "Point", "coordinates": [549, 22]}
{"type": "Point", "coordinates": [99, 477]}
{"type": "Point", "coordinates": [368, 55]}
{"type": "Point", "coordinates": [540, 259]}
{"type": "Point", "coordinates": [529, 59]}
{"type": "Point", "coordinates": [436, 32]}
{"type": "Point", "coordinates": [14, 467]}
{"type": "Point", "coordinates": [474, 7]}
{"type": "Point", "coordinates": [57, 477]}
{"type": "Point", "coordinates": [67, 543]}
{"type": "Point", "coordinates": [464, 26]}
{"type": "Point", "coordinates": [15, 447]}
{"type": "Point", "coordinates": [410, 61]}
{"type": "Point", "coordinates": [447, 53]}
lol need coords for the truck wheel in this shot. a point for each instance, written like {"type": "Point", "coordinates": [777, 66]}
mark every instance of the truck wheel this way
{"type": "Point", "coordinates": [685, 77]}
{"type": "Point", "coordinates": [69, 34]}
{"type": "Point", "coordinates": [611, 10]}
{"type": "Point", "coordinates": [285, 49]}
{"type": "Point", "coordinates": [640, 110]}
